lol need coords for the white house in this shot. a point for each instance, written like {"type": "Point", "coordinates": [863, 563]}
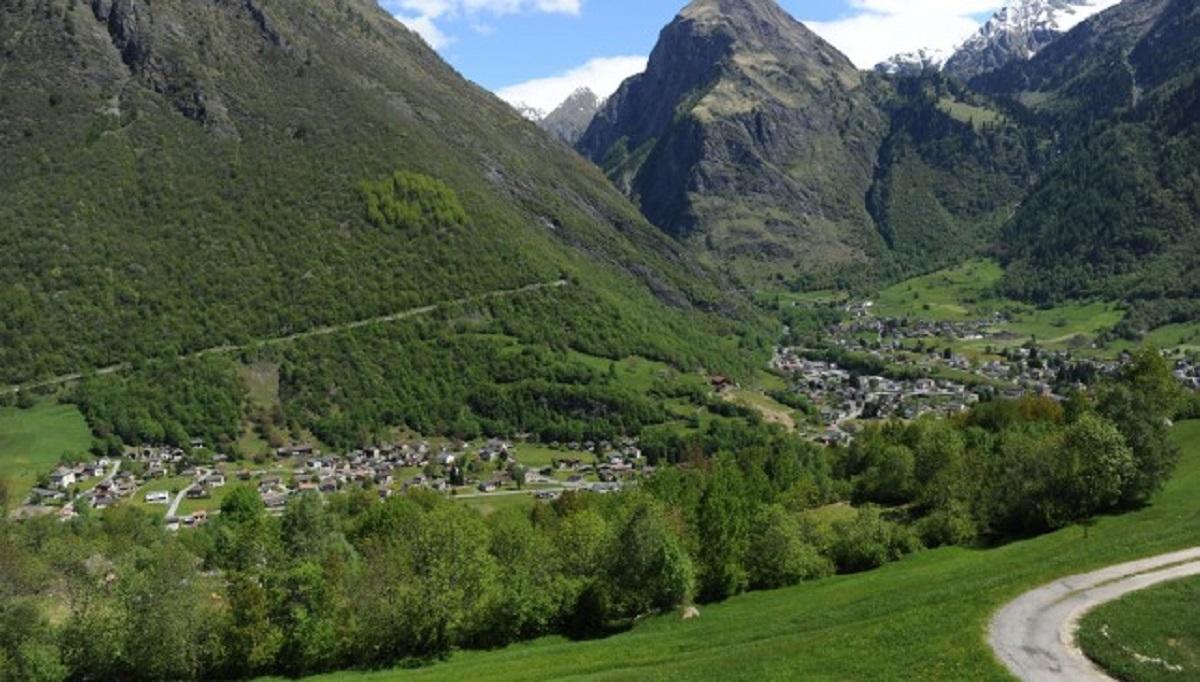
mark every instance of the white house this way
{"type": "Point", "coordinates": [62, 478]}
{"type": "Point", "coordinates": [158, 497]}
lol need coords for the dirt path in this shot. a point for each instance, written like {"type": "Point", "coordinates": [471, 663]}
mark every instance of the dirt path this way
{"type": "Point", "coordinates": [1034, 636]}
{"type": "Point", "coordinates": [312, 333]}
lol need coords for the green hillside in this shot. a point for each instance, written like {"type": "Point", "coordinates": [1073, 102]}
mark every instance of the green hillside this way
{"type": "Point", "coordinates": [183, 175]}
{"type": "Point", "coordinates": [1117, 216]}
{"type": "Point", "coordinates": [307, 184]}
{"type": "Point", "coordinates": [923, 618]}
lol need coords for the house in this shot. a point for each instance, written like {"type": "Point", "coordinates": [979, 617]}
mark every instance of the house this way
{"type": "Point", "coordinates": [158, 497]}
{"type": "Point", "coordinates": [62, 478]}
{"type": "Point", "coordinates": [47, 495]}
{"type": "Point", "coordinates": [197, 493]}
{"type": "Point", "coordinates": [215, 480]}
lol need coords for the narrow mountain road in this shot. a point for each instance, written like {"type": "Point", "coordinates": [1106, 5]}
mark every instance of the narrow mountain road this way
{"type": "Point", "coordinates": [1034, 636]}
{"type": "Point", "coordinates": [312, 333]}
{"type": "Point", "coordinates": [174, 508]}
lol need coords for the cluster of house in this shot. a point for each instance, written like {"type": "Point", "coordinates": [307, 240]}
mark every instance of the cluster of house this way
{"type": "Point", "coordinates": [895, 331]}
{"type": "Point", "coordinates": [1188, 373]}
{"type": "Point", "coordinates": [842, 396]}
{"type": "Point", "coordinates": [113, 486]}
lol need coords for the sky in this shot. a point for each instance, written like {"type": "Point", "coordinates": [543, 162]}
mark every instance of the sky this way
{"type": "Point", "coordinates": [536, 52]}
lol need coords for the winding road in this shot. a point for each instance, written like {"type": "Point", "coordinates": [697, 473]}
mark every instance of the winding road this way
{"type": "Point", "coordinates": [1034, 636]}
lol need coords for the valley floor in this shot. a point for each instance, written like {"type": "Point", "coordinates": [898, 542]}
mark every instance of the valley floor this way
{"type": "Point", "coordinates": [924, 618]}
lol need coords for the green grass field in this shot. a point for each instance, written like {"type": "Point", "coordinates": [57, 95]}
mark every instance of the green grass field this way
{"type": "Point", "coordinates": [960, 293]}
{"type": "Point", "coordinates": [33, 440]}
{"type": "Point", "coordinates": [923, 618]}
{"type": "Point", "coordinates": [969, 113]}
{"type": "Point", "coordinates": [967, 293]}
{"type": "Point", "coordinates": [1148, 636]}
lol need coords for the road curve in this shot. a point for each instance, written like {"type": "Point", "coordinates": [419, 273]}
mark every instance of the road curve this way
{"type": "Point", "coordinates": [1034, 636]}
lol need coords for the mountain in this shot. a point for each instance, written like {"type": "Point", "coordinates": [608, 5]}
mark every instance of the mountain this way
{"type": "Point", "coordinates": [766, 152]}
{"type": "Point", "coordinates": [1019, 31]}
{"type": "Point", "coordinates": [1118, 215]}
{"type": "Point", "coordinates": [1016, 32]}
{"type": "Point", "coordinates": [913, 63]}
{"type": "Point", "coordinates": [182, 175]}
{"type": "Point", "coordinates": [571, 118]}
{"type": "Point", "coordinates": [748, 137]}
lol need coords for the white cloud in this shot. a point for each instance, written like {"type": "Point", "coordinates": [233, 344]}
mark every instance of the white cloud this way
{"type": "Point", "coordinates": [420, 15]}
{"type": "Point", "coordinates": [428, 30]}
{"type": "Point", "coordinates": [879, 29]}
{"type": "Point", "coordinates": [602, 75]}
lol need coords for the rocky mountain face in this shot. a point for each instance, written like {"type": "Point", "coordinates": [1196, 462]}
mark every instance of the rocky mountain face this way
{"type": "Point", "coordinates": [184, 174]}
{"type": "Point", "coordinates": [748, 137]}
{"type": "Point", "coordinates": [570, 119]}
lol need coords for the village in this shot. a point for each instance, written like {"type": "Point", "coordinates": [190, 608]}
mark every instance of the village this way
{"type": "Point", "coordinates": [924, 367]}
{"type": "Point", "coordinates": [190, 483]}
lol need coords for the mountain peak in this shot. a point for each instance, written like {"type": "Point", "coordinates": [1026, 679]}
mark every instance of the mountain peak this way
{"type": "Point", "coordinates": [1017, 31]}
{"type": "Point", "coordinates": [717, 137]}
{"type": "Point", "coordinates": [570, 119]}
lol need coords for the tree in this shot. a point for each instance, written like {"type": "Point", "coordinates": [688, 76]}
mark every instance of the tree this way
{"type": "Point", "coordinates": [777, 555]}
{"type": "Point", "coordinates": [723, 532]}
{"type": "Point", "coordinates": [1095, 465]}
{"type": "Point", "coordinates": [649, 569]}
{"type": "Point", "coordinates": [1140, 403]}
{"type": "Point", "coordinates": [251, 639]}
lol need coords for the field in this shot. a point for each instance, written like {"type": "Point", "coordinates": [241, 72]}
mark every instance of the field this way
{"type": "Point", "coordinates": [969, 113]}
{"type": "Point", "coordinates": [966, 293]}
{"type": "Point", "coordinates": [33, 440]}
{"type": "Point", "coordinates": [923, 618]}
{"type": "Point", "coordinates": [1148, 636]}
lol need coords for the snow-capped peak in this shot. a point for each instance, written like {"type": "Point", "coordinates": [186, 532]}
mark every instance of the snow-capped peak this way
{"type": "Point", "coordinates": [914, 62]}
{"type": "Point", "coordinates": [1019, 30]}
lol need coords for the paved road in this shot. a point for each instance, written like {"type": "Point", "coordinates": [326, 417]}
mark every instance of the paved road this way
{"type": "Point", "coordinates": [1034, 636]}
{"type": "Point", "coordinates": [320, 331]}
{"type": "Point", "coordinates": [174, 508]}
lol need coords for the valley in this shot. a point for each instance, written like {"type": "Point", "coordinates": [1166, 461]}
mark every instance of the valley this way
{"type": "Point", "coordinates": [320, 360]}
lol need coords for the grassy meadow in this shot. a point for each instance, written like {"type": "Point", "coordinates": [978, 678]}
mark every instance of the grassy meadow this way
{"type": "Point", "coordinates": [33, 440]}
{"type": "Point", "coordinates": [1148, 636]}
{"type": "Point", "coordinates": [923, 618]}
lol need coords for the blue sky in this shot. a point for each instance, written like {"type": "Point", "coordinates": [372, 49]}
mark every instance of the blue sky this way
{"type": "Point", "coordinates": [537, 51]}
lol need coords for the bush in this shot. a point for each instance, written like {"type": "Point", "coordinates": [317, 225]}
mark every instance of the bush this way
{"type": "Point", "coordinates": [869, 541]}
{"type": "Point", "coordinates": [779, 555]}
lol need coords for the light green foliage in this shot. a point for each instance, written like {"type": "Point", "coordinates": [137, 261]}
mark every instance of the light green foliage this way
{"type": "Point", "coordinates": [411, 201]}
{"type": "Point", "coordinates": [869, 541]}
{"type": "Point", "coordinates": [651, 571]}
{"type": "Point", "coordinates": [778, 553]}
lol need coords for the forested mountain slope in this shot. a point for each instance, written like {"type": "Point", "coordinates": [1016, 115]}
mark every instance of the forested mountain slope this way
{"type": "Point", "coordinates": [184, 174]}
{"type": "Point", "coordinates": [1118, 215]}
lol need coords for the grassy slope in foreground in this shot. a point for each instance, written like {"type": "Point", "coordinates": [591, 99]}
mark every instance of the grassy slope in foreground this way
{"type": "Point", "coordinates": [923, 618]}
{"type": "Point", "coordinates": [31, 441]}
{"type": "Point", "coordinates": [1160, 625]}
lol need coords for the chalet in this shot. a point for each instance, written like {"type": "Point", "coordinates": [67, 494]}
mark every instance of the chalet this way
{"type": "Point", "coordinates": [158, 497]}
{"type": "Point", "coordinates": [215, 480]}
{"type": "Point", "coordinates": [275, 500]}
{"type": "Point", "coordinates": [62, 478]}
{"type": "Point", "coordinates": [197, 493]}
{"type": "Point", "coordinates": [48, 495]}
